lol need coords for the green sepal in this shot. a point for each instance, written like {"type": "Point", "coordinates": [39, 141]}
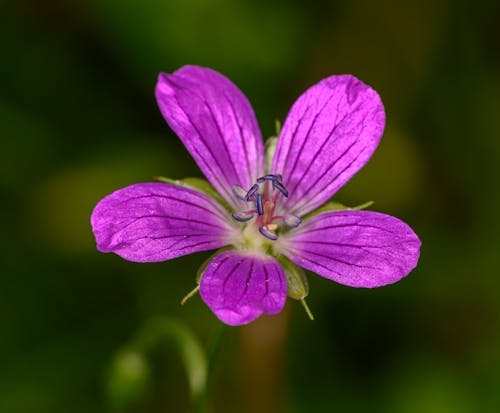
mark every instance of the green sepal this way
{"type": "Point", "coordinates": [328, 207]}
{"type": "Point", "coordinates": [297, 285]}
{"type": "Point", "coordinates": [270, 148]}
{"type": "Point", "coordinates": [332, 206]}
{"type": "Point", "coordinates": [296, 280]}
{"type": "Point", "coordinates": [198, 184]}
{"type": "Point", "coordinates": [277, 127]}
{"type": "Point", "coordinates": [203, 267]}
{"type": "Point", "coordinates": [367, 204]}
{"type": "Point", "coordinates": [200, 272]}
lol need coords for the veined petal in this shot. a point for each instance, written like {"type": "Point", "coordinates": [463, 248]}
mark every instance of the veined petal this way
{"type": "Point", "coordinates": [239, 287]}
{"type": "Point", "coordinates": [152, 222]}
{"type": "Point", "coordinates": [354, 248]}
{"type": "Point", "coordinates": [216, 124]}
{"type": "Point", "coordinates": [330, 133]}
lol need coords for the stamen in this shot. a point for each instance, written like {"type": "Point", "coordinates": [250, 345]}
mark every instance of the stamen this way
{"type": "Point", "coordinates": [264, 197]}
{"type": "Point", "coordinates": [280, 188]}
{"type": "Point", "coordinates": [268, 234]}
{"type": "Point", "coordinates": [266, 177]}
{"type": "Point", "coordinates": [268, 211]}
{"type": "Point", "coordinates": [239, 192]}
{"type": "Point", "coordinates": [275, 196]}
{"type": "Point", "coordinates": [251, 191]}
{"type": "Point", "coordinates": [258, 204]}
{"type": "Point", "coordinates": [243, 216]}
{"type": "Point", "coordinates": [292, 221]}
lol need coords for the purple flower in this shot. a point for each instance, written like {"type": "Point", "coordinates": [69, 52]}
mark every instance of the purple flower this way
{"type": "Point", "coordinates": [263, 202]}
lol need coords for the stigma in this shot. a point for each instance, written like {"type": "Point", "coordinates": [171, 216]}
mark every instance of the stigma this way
{"type": "Point", "coordinates": [262, 203]}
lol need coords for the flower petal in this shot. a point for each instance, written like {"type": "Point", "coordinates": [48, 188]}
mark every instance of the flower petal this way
{"type": "Point", "coordinates": [330, 133]}
{"type": "Point", "coordinates": [216, 123]}
{"type": "Point", "coordinates": [153, 222]}
{"type": "Point", "coordinates": [239, 287]}
{"type": "Point", "coordinates": [355, 248]}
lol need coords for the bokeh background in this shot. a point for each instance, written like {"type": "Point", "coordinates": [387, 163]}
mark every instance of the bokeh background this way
{"type": "Point", "coordinates": [78, 120]}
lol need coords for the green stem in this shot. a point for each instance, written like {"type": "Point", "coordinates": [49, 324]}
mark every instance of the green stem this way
{"type": "Point", "coordinates": [200, 405]}
{"type": "Point", "coordinates": [130, 372]}
{"type": "Point", "coordinates": [164, 332]}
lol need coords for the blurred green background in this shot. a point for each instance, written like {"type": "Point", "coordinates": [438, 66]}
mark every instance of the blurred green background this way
{"type": "Point", "coordinates": [78, 119]}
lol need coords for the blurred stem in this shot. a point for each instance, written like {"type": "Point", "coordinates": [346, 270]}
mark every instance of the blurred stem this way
{"type": "Point", "coordinates": [130, 373]}
{"type": "Point", "coordinates": [263, 349]}
{"type": "Point", "coordinates": [200, 405]}
{"type": "Point", "coordinates": [160, 331]}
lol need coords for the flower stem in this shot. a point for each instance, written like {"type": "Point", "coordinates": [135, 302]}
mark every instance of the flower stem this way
{"type": "Point", "coordinates": [261, 365]}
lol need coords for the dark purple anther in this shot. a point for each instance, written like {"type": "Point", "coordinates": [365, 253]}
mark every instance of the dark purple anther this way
{"type": "Point", "coordinates": [266, 178]}
{"type": "Point", "coordinates": [242, 216]}
{"type": "Point", "coordinates": [268, 234]}
{"type": "Point", "coordinates": [280, 188]}
{"type": "Point", "coordinates": [251, 191]}
{"type": "Point", "coordinates": [292, 221]}
{"type": "Point", "coordinates": [258, 204]}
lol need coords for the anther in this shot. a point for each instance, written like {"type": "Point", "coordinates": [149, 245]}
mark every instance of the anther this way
{"type": "Point", "coordinates": [264, 196]}
{"type": "Point", "coordinates": [258, 204]}
{"type": "Point", "coordinates": [292, 221]}
{"type": "Point", "coordinates": [243, 216]}
{"type": "Point", "coordinates": [268, 177]}
{"type": "Point", "coordinates": [267, 233]}
{"type": "Point", "coordinates": [239, 192]}
{"type": "Point", "coordinates": [280, 188]}
{"type": "Point", "coordinates": [251, 191]}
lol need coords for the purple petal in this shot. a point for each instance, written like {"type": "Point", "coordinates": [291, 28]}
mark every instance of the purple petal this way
{"type": "Point", "coordinates": [355, 248]}
{"type": "Point", "coordinates": [216, 123]}
{"type": "Point", "coordinates": [330, 133]}
{"type": "Point", "coordinates": [238, 287]}
{"type": "Point", "coordinates": [153, 222]}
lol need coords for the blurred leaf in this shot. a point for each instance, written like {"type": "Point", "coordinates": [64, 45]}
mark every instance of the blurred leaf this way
{"type": "Point", "coordinates": [129, 379]}
{"type": "Point", "coordinates": [394, 177]}
{"type": "Point", "coordinates": [163, 35]}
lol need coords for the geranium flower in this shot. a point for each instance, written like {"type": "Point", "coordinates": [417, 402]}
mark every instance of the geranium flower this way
{"type": "Point", "coordinates": [263, 204]}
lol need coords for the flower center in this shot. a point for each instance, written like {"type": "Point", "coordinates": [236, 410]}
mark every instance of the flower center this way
{"type": "Point", "coordinates": [262, 201]}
